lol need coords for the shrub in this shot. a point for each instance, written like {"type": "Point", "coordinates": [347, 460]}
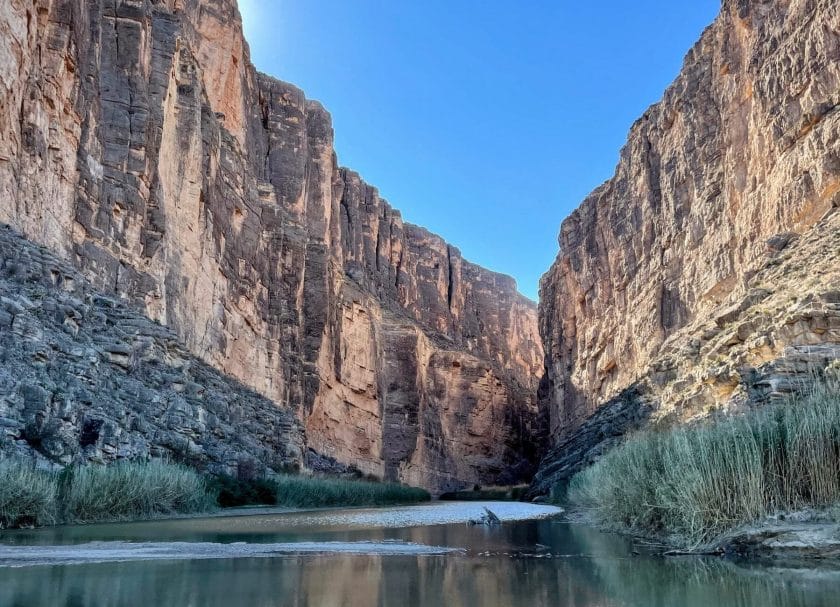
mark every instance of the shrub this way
{"type": "Point", "coordinates": [230, 492]}
{"type": "Point", "coordinates": [514, 493]}
{"type": "Point", "coordinates": [129, 490]}
{"type": "Point", "coordinates": [298, 491]}
{"type": "Point", "coordinates": [304, 491]}
{"type": "Point", "coordinates": [27, 495]}
{"type": "Point", "coordinates": [696, 483]}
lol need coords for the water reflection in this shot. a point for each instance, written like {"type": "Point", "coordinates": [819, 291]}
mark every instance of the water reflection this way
{"type": "Point", "coordinates": [321, 581]}
{"type": "Point", "coordinates": [575, 566]}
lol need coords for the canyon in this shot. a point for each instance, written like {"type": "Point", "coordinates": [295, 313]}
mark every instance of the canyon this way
{"type": "Point", "coordinates": [188, 271]}
{"type": "Point", "coordinates": [139, 145]}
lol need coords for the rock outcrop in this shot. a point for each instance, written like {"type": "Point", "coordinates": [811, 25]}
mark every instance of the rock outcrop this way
{"type": "Point", "coordinates": [84, 378]}
{"type": "Point", "coordinates": [705, 274]}
{"type": "Point", "coordinates": [138, 142]}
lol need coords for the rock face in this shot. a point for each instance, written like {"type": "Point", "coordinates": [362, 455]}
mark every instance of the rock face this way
{"type": "Point", "coordinates": [138, 143]}
{"type": "Point", "coordinates": [792, 540]}
{"type": "Point", "coordinates": [84, 378]}
{"type": "Point", "coordinates": [704, 275]}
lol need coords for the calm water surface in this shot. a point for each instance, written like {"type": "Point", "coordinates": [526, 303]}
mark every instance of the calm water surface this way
{"type": "Point", "coordinates": [539, 562]}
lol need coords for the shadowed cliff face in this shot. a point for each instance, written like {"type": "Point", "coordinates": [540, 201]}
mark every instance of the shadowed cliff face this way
{"type": "Point", "coordinates": [138, 142]}
{"type": "Point", "coordinates": [712, 252]}
{"type": "Point", "coordinates": [85, 378]}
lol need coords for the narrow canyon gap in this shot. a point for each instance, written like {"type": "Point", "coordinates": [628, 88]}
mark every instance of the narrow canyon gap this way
{"type": "Point", "coordinates": [141, 148]}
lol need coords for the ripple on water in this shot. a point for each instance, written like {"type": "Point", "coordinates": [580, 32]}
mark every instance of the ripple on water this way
{"type": "Point", "coordinates": [106, 552]}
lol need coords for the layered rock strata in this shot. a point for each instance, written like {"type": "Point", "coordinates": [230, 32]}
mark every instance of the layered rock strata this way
{"type": "Point", "coordinates": [138, 142]}
{"type": "Point", "coordinates": [704, 275]}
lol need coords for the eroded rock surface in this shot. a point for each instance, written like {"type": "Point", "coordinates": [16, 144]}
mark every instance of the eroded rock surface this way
{"type": "Point", "coordinates": [84, 378]}
{"type": "Point", "coordinates": [705, 274]}
{"type": "Point", "coordinates": [139, 143]}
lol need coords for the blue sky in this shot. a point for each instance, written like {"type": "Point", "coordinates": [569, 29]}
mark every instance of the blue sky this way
{"type": "Point", "coordinates": [486, 122]}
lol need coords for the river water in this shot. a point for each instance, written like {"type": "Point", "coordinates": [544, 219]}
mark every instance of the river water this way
{"type": "Point", "coordinates": [401, 557]}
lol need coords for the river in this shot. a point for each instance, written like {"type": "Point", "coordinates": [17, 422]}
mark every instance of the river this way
{"type": "Point", "coordinates": [401, 557]}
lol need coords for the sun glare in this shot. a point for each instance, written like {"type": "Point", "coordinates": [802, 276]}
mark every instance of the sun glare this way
{"type": "Point", "coordinates": [249, 9]}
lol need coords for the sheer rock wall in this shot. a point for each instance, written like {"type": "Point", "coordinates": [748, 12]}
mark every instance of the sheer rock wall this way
{"type": "Point", "coordinates": [712, 252]}
{"type": "Point", "coordinates": [138, 142]}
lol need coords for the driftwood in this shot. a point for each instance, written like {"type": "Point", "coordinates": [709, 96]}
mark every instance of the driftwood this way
{"type": "Point", "coordinates": [489, 518]}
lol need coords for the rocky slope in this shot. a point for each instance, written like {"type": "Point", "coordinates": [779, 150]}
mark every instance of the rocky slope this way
{"type": "Point", "coordinates": [82, 377]}
{"type": "Point", "coordinates": [705, 275]}
{"type": "Point", "coordinates": [138, 142]}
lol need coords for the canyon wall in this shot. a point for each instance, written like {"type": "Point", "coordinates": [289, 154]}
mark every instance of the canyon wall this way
{"type": "Point", "coordinates": [85, 378]}
{"type": "Point", "coordinates": [138, 142]}
{"type": "Point", "coordinates": [705, 275]}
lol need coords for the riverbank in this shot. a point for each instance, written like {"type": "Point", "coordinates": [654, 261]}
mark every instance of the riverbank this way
{"type": "Point", "coordinates": [803, 535]}
{"type": "Point", "coordinates": [797, 537]}
{"type": "Point", "coordinates": [32, 497]}
{"type": "Point", "coordinates": [745, 483]}
{"type": "Point", "coordinates": [230, 534]}
{"type": "Point", "coordinates": [382, 556]}
{"type": "Point", "coordinates": [240, 522]}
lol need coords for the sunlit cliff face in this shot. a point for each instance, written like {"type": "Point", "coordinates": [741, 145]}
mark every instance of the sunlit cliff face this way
{"type": "Point", "coordinates": [147, 151]}
{"type": "Point", "coordinates": [703, 273]}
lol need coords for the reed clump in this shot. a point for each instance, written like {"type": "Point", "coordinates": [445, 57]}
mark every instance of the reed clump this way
{"type": "Point", "coordinates": [695, 483]}
{"type": "Point", "coordinates": [133, 490]}
{"type": "Point", "coordinates": [31, 497]}
{"type": "Point", "coordinates": [306, 492]}
{"type": "Point", "coordinates": [28, 496]}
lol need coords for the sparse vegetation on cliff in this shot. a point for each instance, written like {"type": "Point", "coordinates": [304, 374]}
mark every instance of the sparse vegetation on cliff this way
{"type": "Point", "coordinates": [693, 484]}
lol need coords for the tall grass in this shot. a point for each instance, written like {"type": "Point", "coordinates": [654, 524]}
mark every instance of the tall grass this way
{"type": "Point", "coordinates": [136, 491]}
{"type": "Point", "coordinates": [696, 483]}
{"type": "Point", "coordinates": [305, 492]}
{"type": "Point", "coordinates": [87, 494]}
{"type": "Point", "coordinates": [27, 496]}
{"type": "Point", "coordinates": [129, 490]}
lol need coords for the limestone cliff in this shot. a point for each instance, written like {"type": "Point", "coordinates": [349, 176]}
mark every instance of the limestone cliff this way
{"type": "Point", "coordinates": [705, 274]}
{"type": "Point", "coordinates": [138, 142]}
